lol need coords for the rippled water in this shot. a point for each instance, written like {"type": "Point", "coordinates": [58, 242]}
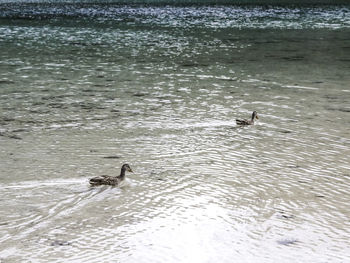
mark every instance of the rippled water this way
{"type": "Point", "coordinates": [85, 88]}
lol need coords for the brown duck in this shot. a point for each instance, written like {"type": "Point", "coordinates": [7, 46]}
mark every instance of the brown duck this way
{"type": "Point", "coordinates": [248, 122]}
{"type": "Point", "coordinates": [111, 180]}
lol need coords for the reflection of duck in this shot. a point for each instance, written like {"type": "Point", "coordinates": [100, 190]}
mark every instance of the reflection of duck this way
{"type": "Point", "coordinates": [248, 122]}
{"type": "Point", "coordinates": [111, 180]}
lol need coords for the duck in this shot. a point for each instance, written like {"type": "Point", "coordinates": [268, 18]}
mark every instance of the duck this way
{"type": "Point", "coordinates": [111, 180]}
{"type": "Point", "coordinates": [248, 122]}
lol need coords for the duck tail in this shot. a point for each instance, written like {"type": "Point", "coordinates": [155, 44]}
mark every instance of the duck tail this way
{"type": "Point", "coordinates": [240, 122]}
{"type": "Point", "coordinates": [95, 181]}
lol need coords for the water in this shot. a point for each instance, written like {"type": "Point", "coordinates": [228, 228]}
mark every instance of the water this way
{"type": "Point", "coordinates": [85, 88]}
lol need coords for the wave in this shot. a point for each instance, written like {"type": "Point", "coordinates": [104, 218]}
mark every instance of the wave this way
{"type": "Point", "coordinates": [289, 17]}
{"type": "Point", "coordinates": [189, 2]}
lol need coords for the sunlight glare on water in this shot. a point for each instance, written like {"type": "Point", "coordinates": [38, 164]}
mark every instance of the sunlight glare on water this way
{"type": "Point", "coordinates": [86, 88]}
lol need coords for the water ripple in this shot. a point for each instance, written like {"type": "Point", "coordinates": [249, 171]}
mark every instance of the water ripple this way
{"type": "Point", "coordinates": [78, 101]}
{"type": "Point", "coordinates": [185, 17]}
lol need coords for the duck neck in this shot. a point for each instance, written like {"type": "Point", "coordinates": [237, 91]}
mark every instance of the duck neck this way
{"type": "Point", "coordinates": [122, 173]}
{"type": "Point", "coordinates": [253, 117]}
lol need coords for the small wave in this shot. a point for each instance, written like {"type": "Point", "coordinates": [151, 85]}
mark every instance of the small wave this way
{"type": "Point", "coordinates": [44, 183]}
{"type": "Point", "coordinates": [333, 17]}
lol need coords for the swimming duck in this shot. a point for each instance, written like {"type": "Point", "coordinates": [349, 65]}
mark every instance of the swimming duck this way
{"type": "Point", "coordinates": [111, 180]}
{"type": "Point", "coordinates": [248, 122]}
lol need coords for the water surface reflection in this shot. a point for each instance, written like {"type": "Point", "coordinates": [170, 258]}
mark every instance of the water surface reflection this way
{"type": "Point", "coordinates": [78, 100]}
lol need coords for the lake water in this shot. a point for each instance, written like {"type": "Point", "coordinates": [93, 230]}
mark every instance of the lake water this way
{"type": "Point", "coordinates": [85, 88]}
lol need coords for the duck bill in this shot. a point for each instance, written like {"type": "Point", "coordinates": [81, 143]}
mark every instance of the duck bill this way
{"type": "Point", "coordinates": [131, 171]}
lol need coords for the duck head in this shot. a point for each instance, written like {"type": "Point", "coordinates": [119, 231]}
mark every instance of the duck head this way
{"type": "Point", "coordinates": [127, 168]}
{"type": "Point", "coordinates": [255, 115]}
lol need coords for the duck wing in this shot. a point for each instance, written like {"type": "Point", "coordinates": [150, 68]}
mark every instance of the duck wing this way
{"type": "Point", "coordinates": [103, 179]}
{"type": "Point", "coordinates": [243, 122]}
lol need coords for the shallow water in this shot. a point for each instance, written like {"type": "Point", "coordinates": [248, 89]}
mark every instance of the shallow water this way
{"type": "Point", "coordinates": [84, 89]}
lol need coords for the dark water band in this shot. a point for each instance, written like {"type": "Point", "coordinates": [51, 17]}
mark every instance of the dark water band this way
{"type": "Point", "coordinates": [188, 2]}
